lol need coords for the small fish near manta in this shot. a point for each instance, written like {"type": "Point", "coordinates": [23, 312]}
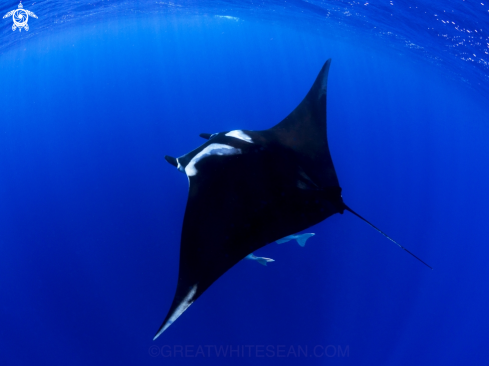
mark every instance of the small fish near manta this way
{"type": "Point", "coordinates": [261, 260]}
{"type": "Point", "coordinates": [301, 240]}
{"type": "Point", "coordinates": [251, 188]}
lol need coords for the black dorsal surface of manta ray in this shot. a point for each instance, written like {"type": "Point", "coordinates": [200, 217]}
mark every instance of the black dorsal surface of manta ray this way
{"type": "Point", "coordinates": [251, 188]}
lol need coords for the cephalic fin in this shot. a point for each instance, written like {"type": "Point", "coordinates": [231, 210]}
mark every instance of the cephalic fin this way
{"type": "Point", "coordinates": [171, 160]}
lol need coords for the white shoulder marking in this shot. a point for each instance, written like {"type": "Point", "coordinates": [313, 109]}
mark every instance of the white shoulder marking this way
{"type": "Point", "coordinates": [212, 149]}
{"type": "Point", "coordinates": [240, 135]}
{"type": "Point", "coordinates": [180, 167]}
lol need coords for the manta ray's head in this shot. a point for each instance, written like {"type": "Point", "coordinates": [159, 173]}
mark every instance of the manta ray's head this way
{"type": "Point", "coordinates": [218, 144]}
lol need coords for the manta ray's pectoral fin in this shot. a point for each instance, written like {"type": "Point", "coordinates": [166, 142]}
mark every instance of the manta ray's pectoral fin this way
{"type": "Point", "coordinates": [171, 160]}
{"type": "Point", "coordinates": [206, 136]}
{"type": "Point", "coordinates": [180, 304]}
{"type": "Point", "coordinates": [304, 131]}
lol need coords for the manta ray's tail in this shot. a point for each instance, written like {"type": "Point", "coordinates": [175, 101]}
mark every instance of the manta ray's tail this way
{"type": "Point", "coordinates": [387, 236]}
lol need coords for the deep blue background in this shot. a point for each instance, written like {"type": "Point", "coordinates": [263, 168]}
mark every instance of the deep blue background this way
{"type": "Point", "coordinates": [90, 213]}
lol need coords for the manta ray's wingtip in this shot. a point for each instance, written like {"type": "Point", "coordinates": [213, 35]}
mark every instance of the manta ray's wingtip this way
{"type": "Point", "coordinates": [324, 73]}
{"type": "Point", "coordinates": [325, 68]}
{"type": "Point", "coordinates": [160, 331]}
{"type": "Point", "coordinates": [176, 310]}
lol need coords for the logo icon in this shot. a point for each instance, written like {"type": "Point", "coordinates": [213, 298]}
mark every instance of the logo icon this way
{"type": "Point", "coordinates": [20, 17]}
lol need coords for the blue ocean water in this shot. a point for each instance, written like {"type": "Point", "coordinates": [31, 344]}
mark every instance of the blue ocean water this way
{"type": "Point", "coordinates": [96, 93]}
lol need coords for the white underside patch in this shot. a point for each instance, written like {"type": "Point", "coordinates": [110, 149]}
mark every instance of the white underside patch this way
{"type": "Point", "coordinates": [179, 310]}
{"type": "Point", "coordinates": [212, 149]}
{"type": "Point", "coordinates": [240, 135]}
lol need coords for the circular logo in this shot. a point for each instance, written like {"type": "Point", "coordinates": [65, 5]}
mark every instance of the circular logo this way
{"type": "Point", "coordinates": [20, 18]}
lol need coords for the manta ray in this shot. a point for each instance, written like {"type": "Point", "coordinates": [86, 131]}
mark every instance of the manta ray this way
{"type": "Point", "coordinates": [251, 188]}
